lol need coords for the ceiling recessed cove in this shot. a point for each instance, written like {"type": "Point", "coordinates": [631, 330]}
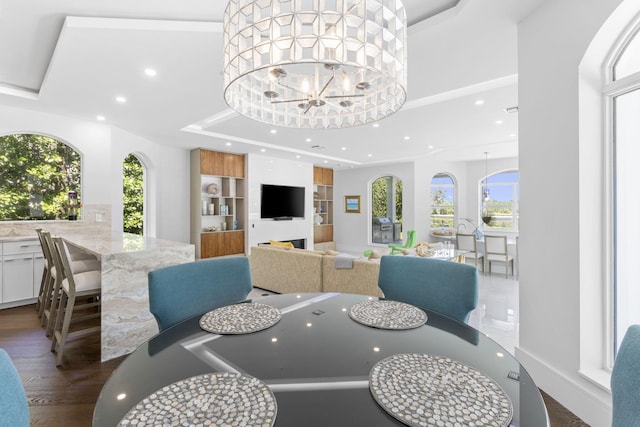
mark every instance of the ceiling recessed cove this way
{"type": "Point", "coordinates": [421, 10]}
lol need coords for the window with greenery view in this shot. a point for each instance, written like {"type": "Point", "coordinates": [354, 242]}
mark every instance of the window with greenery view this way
{"type": "Point", "coordinates": [442, 201]}
{"type": "Point", "coordinates": [133, 195]}
{"type": "Point", "coordinates": [502, 205]}
{"type": "Point", "coordinates": [36, 174]}
{"type": "Point", "coordinates": [386, 199]}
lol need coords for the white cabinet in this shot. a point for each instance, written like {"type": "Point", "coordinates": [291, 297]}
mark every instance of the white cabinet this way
{"type": "Point", "coordinates": [22, 264]}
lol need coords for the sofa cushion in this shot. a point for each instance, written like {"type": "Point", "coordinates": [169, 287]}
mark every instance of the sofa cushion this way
{"type": "Point", "coordinates": [285, 271]}
{"type": "Point", "coordinates": [361, 279]}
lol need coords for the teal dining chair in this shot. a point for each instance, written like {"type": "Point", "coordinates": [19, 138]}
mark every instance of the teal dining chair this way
{"type": "Point", "coordinates": [185, 290]}
{"type": "Point", "coordinates": [625, 381]}
{"type": "Point", "coordinates": [14, 408]}
{"type": "Point", "coordinates": [449, 288]}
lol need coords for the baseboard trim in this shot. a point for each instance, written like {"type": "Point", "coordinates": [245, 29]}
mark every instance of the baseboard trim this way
{"type": "Point", "coordinates": [584, 399]}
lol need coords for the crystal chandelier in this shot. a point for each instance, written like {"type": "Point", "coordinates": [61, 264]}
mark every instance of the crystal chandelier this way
{"type": "Point", "coordinates": [315, 63]}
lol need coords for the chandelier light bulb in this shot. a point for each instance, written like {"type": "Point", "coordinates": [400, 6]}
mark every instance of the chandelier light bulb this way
{"type": "Point", "coordinates": [315, 64]}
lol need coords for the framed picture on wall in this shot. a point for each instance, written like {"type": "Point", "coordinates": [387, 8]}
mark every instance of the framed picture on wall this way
{"type": "Point", "coordinates": [352, 204]}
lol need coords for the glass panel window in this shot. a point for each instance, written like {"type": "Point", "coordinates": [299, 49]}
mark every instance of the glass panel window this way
{"type": "Point", "coordinates": [502, 203]}
{"type": "Point", "coordinates": [629, 61]}
{"type": "Point", "coordinates": [627, 211]}
{"type": "Point", "coordinates": [38, 175]}
{"type": "Point", "coordinates": [133, 195]}
{"type": "Point", "coordinates": [386, 210]}
{"type": "Point", "coordinates": [442, 201]}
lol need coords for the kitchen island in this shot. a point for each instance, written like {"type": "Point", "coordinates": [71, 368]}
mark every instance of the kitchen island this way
{"type": "Point", "coordinates": [126, 260]}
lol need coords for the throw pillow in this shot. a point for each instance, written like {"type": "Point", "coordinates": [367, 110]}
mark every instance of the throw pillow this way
{"type": "Point", "coordinates": [282, 244]}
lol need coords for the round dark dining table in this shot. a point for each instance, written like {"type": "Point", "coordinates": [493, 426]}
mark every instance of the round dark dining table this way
{"type": "Point", "coordinates": [316, 360]}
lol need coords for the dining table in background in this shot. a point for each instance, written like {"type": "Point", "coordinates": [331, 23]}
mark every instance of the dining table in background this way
{"type": "Point", "coordinates": [316, 360]}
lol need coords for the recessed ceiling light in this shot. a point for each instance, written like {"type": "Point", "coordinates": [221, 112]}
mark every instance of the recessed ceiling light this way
{"type": "Point", "coordinates": [479, 101]}
{"type": "Point", "coordinates": [369, 155]}
{"type": "Point", "coordinates": [512, 135]}
{"type": "Point", "coordinates": [273, 131]}
{"type": "Point", "coordinates": [376, 125]}
{"type": "Point", "coordinates": [263, 150]}
{"type": "Point", "coordinates": [430, 147]}
{"type": "Point", "coordinates": [406, 138]}
{"type": "Point", "coordinates": [100, 118]}
{"type": "Point", "coordinates": [121, 99]}
{"type": "Point", "coordinates": [344, 148]}
{"type": "Point", "coordinates": [150, 72]}
{"type": "Point", "coordinates": [297, 156]}
{"type": "Point", "coordinates": [308, 139]}
{"type": "Point", "coordinates": [228, 144]}
{"type": "Point", "coordinates": [326, 161]}
{"type": "Point", "coordinates": [499, 122]}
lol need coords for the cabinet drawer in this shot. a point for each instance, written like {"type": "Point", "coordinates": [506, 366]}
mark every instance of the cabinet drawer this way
{"type": "Point", "coordinates": [21, 247]}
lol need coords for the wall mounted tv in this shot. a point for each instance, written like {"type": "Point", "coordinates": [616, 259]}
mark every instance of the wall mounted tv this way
{"type": "Point", "coordinates": [281, 202]}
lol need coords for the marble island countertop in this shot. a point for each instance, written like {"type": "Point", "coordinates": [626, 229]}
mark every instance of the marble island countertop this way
{"type": "Point", "coordinates": [116, 242]}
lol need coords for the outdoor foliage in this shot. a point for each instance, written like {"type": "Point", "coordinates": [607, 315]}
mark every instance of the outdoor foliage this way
{"type": "Point", "coordinates": [133, 193]}
{"type": "Point", "coordinates": [379, 198]}
{"type": "Point", "coordinates": [36, 174]}
{"type": "Point", "coordinates": [442, 209]}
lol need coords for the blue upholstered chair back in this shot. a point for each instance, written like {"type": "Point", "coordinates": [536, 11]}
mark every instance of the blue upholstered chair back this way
{"type": "Point", "coordinates": [14, 409]}
{"type": "Point", "coordinates": [625, 381]}
{"type": "Point", "coordinates": [185, 290]}
{"type": "Point", "coordinates": [447, 287]}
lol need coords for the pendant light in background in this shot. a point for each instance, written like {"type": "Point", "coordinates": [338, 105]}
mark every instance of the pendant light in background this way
{"type": "Point", "coordinates": [486, 217]}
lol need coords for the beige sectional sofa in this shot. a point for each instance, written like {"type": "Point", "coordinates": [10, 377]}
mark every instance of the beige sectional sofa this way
{"type": "Point", "coordinates": [286, 270]}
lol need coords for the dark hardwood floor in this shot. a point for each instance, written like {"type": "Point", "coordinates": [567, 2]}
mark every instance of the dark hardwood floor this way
{"type": "Point", "coordinates": [65, 396]}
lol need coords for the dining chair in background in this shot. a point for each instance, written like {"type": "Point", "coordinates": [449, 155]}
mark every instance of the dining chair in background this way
{"type": "Point", "coordinates": [495, 250]}
{"type": "Point", "coordinates": [14, 408]}
{"type": "Point", "coordinates": [625, 381]}
{"type": "Point", "coordinates": [449, 288]}
{"type": "Point", "coordinates": [185, 290]}
{"type": "Point", "coordinates": [469, 243]}
{"type": "Point", "coordinates": [80, 295]}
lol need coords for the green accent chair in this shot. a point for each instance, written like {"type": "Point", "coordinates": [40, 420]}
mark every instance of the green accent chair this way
{"type": "Point", "coordinates": [410, 243]}
{"type": "Point", "coordinates": [625, 381]}
{"type": "Point", "coordinates": [182, 291]}
{"type": "Point", "coordinates": [14, 408]}
{"type": "Point", "coordinates": [449, 288]}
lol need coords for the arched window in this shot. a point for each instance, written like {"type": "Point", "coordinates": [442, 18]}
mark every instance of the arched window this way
{"type": "Point", "coordinates": [442, 202]}
{"type": "Point", "coordinates": [623, 96]}
{"type": "Point", "coordinates": [386, 210]}
{"type": "Point", "coordinates": [500, 205]}
{"type": "Point", "coordinates": [38, 173]}
{"type": "Point", "coordinates": [133, 195]}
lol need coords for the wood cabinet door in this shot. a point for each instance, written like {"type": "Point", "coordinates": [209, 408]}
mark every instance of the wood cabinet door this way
{"type": "Point", "coordinates": [211, 162]}
{"type": "Point", "coordinates": [317, 175]}
{"type": "Point", "coordinates": [233, 165]}
{"type": "Point", "coordinates": [234, 242]}
{"type": "Point", "coordinates": [211, 245]}
{"type": "Point", "coordinates": [322, 233]}
{"type": "Point", "coordinates": [327, 176]}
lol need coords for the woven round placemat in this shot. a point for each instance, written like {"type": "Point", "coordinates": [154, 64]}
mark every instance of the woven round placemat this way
{"type": "Point", "coordinates": [387, 314]}
{"type": "Point", "coordinates": [423, 391]}
{"type": "Point", "coordinates": [240, 318]}
{"type": "Point", "coordinates": [214, 399]}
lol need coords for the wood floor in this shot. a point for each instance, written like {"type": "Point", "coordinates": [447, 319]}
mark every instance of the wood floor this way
{"type": "Point", "coordinates": [66, 396]}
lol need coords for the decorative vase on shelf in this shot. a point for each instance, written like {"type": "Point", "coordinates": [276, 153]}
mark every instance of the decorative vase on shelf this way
{"type": "Point", "coordinates": [317, 219]}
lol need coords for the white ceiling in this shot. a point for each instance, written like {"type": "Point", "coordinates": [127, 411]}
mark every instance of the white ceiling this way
{"type": "Point", "coordinates": [74, 57]}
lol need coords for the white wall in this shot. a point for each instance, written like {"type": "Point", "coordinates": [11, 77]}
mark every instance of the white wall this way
{"type": "Point", "coordinates": [561, 242]}
{"type": "Point", "coordinates": [103, 148]}
{"type": "Point", "coordinates": [270, 170]}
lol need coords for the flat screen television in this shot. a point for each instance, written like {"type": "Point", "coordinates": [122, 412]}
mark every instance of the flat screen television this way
{"type": "Point", "coordinates": [281, 202]}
